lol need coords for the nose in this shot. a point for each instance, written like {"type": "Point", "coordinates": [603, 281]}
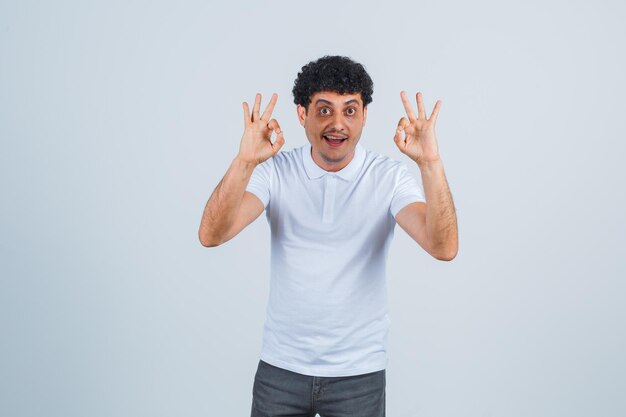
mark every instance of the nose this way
{"type": "Point", "coordinates": [338, 122]}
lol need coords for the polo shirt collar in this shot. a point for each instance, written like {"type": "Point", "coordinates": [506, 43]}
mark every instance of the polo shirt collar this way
{"type": "Point", "coordinates": [347, 173]}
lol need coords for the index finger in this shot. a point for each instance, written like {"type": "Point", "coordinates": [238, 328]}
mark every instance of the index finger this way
{"type": "Point", "coordinates": [270, 107]}
{"type": "Point", "coordinates": [407, 106]}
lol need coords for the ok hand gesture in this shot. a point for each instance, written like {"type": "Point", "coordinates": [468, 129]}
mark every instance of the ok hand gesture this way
{"type": "Point", "coordinates": [256, 144]}
{"type": "Point", "coordinates": [419, 142]}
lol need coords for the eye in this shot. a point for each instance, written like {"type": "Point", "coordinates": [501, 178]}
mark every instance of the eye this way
{"type": "Point", "coordinates": [351, 111]}
{"type": "Point", "coordinates": [324, 111]}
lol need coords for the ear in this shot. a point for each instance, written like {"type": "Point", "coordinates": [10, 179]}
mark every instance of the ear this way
{"type": "Point", "coordinates": [301, 114]}
{"type": "Point", "coordinates": [364, 114]}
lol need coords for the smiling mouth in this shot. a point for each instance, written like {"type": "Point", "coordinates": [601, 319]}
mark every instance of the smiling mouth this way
{"type": "Point", "coordinates": [334, 139]}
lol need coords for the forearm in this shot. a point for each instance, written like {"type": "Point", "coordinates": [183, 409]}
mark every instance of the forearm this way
{"type": "Point", "coordinates": [441, 224]}
{"type": "Point", "coordinates": [221, 210]}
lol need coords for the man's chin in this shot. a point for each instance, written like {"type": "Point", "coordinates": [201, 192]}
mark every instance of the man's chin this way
{"type": "Point", "coordinates": [333, 159]}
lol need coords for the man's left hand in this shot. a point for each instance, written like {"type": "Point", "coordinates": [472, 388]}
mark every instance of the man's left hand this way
{"type": "Point", "coordinates": [419, 142]}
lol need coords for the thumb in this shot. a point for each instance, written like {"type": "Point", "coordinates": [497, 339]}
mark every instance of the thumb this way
{"type": "Point", "coordinates": [280, 139]}
{"type": "Point", "coordinates": [278, 143]}
{"type": "Point", "coordinates": [398, 139]}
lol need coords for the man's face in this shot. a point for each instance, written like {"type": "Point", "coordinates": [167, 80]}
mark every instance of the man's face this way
{"type": "Point", "coordinates": [333, 123]}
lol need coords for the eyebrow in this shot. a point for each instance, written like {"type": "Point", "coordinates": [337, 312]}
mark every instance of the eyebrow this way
{"type": "Point", "coordinates": [323, 101]}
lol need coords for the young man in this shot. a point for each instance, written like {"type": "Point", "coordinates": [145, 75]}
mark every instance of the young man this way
{"type": "Point", "coordinates": [332, 207]}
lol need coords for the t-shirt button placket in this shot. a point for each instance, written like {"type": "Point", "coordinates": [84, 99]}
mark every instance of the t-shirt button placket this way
{"type": "Point", "coordinates": [330, 186]}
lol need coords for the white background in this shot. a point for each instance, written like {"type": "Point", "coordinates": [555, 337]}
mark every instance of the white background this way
{"type": "Point", "coordinates": [118, 119]}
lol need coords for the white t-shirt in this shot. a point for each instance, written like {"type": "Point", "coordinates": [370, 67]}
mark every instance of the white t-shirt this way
{"type": "Point", "coordinates": [327, 311]}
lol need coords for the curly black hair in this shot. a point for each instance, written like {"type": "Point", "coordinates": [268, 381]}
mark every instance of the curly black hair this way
{"type": "Point", "coordinates": [332, 73]}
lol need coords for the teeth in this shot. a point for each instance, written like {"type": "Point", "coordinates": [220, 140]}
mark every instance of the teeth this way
{"type": "Point", "coordinates": [333, 137]}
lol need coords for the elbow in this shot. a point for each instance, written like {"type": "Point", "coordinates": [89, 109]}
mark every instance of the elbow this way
{"type": "Point", "coordinates": [446, 253]}
{"type": "Point", "coordinates": [446, 256]}
{"type": "Point", "coordinates": [208, 241]}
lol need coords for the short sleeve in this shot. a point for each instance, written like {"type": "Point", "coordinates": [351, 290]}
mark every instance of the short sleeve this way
{"type": "Point", "coordinates": [260, 181]}
{"type": "Point", "coordinates": [406, 190]}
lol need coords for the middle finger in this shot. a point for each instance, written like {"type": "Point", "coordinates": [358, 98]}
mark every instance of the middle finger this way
{"type": "Point", "coordinates": [270, 107]}
{"type": "Point", "coordinates": [407, 106]}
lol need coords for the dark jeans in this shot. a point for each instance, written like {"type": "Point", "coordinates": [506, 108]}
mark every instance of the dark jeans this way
{"type": "Point", "coordinates": [279, 392]}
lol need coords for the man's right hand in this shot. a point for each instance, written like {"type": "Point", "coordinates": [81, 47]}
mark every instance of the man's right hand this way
{"type": "Point", "coordinates": [256, 144]}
